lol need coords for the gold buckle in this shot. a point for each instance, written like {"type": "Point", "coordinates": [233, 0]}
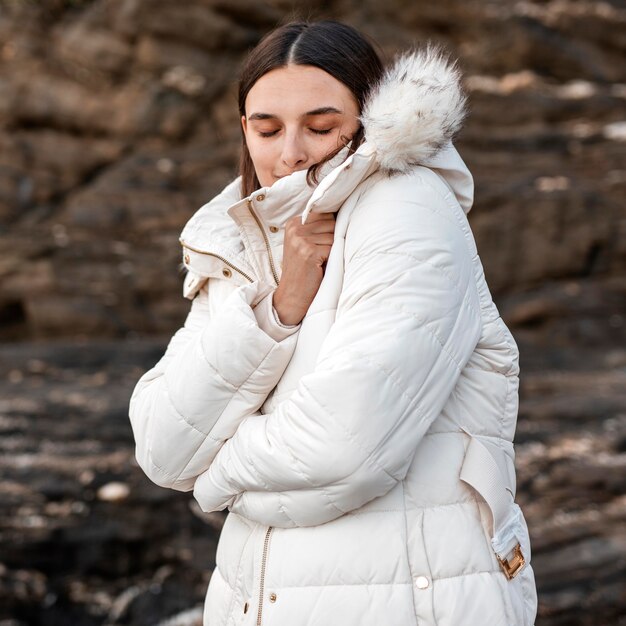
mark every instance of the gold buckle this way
{"type": "Point", "coordinates": [511, 567]}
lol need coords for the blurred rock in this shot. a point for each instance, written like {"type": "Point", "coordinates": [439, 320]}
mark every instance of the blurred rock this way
{"type": "Point", "coordinates": [98, 50]}
{"type": "Point", "coordinates": [85, 538]}
{"type": "Point", "coordinates": [193, 617]}
{"type": "Point", "coordinates": [198, 24]}
{"type": "Point", "coordinates": [113, 492]}
{"type": "Point", "coordinates": [119, 119]}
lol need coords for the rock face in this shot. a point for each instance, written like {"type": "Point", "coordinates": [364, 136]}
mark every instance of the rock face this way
{"type": "Point", "coordinates": [118, 119]}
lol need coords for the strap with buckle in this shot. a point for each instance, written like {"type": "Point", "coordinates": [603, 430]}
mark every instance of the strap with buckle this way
{"type": "Point", "coordinates": [512, 567]}
{"type": "Point", "coordinates": [481, 472]}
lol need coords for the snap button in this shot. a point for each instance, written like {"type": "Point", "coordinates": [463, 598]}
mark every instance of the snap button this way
{"type": "Point", "coordinates": [422, 582]}
{"type": "Point", "coordinates": [260, 197]}
{"type": "Point", "coordinates": [227, 272]}
{"type": "Point", "coordinates": [245, 607]}
{"type": "Point", "coordinates": [273, 229]}
{"type": "Point", "coordinates": [272, 597]}
{"type": "Point", "coordinates": [186, 258]}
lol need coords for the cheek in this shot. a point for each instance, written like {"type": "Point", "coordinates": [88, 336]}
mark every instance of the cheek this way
{"type": "Point", "coordinates": [261, 154]}
{"type": "Point", "coordinates": [320, 146]}
{"type": "Point", "coordinates": [348, 129]}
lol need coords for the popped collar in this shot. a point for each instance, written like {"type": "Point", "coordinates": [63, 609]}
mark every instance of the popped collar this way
{"type": "Point", "coordinates": [226, 238]}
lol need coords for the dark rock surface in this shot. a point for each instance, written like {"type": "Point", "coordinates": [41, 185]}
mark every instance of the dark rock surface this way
{"type": "Point", "coordinates": [86, 539]}
{"type": "Point", "coordinates": [118, 120]}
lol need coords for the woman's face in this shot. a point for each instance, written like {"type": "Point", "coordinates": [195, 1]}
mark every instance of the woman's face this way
{"type": "Point", "coordinates": [295, 116]}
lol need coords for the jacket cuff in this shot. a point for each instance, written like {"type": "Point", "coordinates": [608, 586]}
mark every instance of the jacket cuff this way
{"type": "Point", "coordinates": [269, 322]}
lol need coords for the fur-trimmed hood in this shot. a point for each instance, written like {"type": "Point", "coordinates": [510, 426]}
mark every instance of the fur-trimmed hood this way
{"type": "Point", "coordinates": [415, 110]}
{"type": "Point", "coordinates": [409, 119]}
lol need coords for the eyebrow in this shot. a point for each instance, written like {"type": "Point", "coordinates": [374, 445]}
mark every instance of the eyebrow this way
{"type": "Point", "coordinates": [319, 111]}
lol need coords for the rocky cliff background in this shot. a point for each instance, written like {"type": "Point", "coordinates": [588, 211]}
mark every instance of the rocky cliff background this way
{"type": "Point", "coordinates": [118, 120]}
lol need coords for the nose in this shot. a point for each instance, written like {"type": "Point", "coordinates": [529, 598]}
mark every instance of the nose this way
{"type": "Point", "coordinates": [294, 154]}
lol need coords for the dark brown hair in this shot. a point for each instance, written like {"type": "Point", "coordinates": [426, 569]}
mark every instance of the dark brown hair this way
{"type": "Point", "coordinates": [334, 47]}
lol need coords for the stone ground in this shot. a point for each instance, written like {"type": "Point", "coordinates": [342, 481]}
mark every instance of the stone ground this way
{"type": "Point", "coordinates": [87, 540]}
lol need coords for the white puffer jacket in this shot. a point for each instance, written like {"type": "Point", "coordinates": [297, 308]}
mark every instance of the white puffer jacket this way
{"type": "Point", "coordinates": [365, 454]}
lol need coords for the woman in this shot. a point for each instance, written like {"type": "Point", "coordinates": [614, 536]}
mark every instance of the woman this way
{"type": "Point", "coordinates": [343, 383]}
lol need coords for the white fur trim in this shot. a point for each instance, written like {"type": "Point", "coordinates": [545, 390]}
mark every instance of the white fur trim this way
{"type": "Point", "coordinates": [415, 110]}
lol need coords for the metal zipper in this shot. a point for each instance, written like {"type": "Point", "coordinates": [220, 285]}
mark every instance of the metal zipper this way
{"type": "Point", "coordinates": [267, 241]}
{"type": "Point", "coordinates": [262, 580]}
{"type": "Point", "coordinates": [217, 256]}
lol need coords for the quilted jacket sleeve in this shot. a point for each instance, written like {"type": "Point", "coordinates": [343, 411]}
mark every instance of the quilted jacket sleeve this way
{"type": "Point", "coordinates": [408, 320]}
{"type": "Point", "coordinates": [216, 371]}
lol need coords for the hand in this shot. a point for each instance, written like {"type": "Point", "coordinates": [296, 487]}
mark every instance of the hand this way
{"type": "Point", "coordinates": [305, 251]}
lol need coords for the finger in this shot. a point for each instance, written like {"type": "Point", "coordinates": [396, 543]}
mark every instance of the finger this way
{"type": "Point", "coordinates": [294, 225]}
{"type": "Point", "coordinates": [321, 239]}
{"type": "Point", "coordinates": [318, 227]}
{"type": "Point", "coordinates": [324, 252]}
{"type": "Point", "coordinates": [318, 217]}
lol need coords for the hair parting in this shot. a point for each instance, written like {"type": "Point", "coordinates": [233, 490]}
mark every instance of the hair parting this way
{"type": "Point", "coordinates": [336, 48]}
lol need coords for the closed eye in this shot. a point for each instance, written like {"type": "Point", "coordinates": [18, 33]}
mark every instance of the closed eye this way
{"type": "Point", "coordinates": [317, 131]}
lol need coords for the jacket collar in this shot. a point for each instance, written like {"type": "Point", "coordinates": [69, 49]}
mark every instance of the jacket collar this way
{"type": "Point", "coordinates": [216, 228]}
{"type": "Point", "coordinates": [289, 195]}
